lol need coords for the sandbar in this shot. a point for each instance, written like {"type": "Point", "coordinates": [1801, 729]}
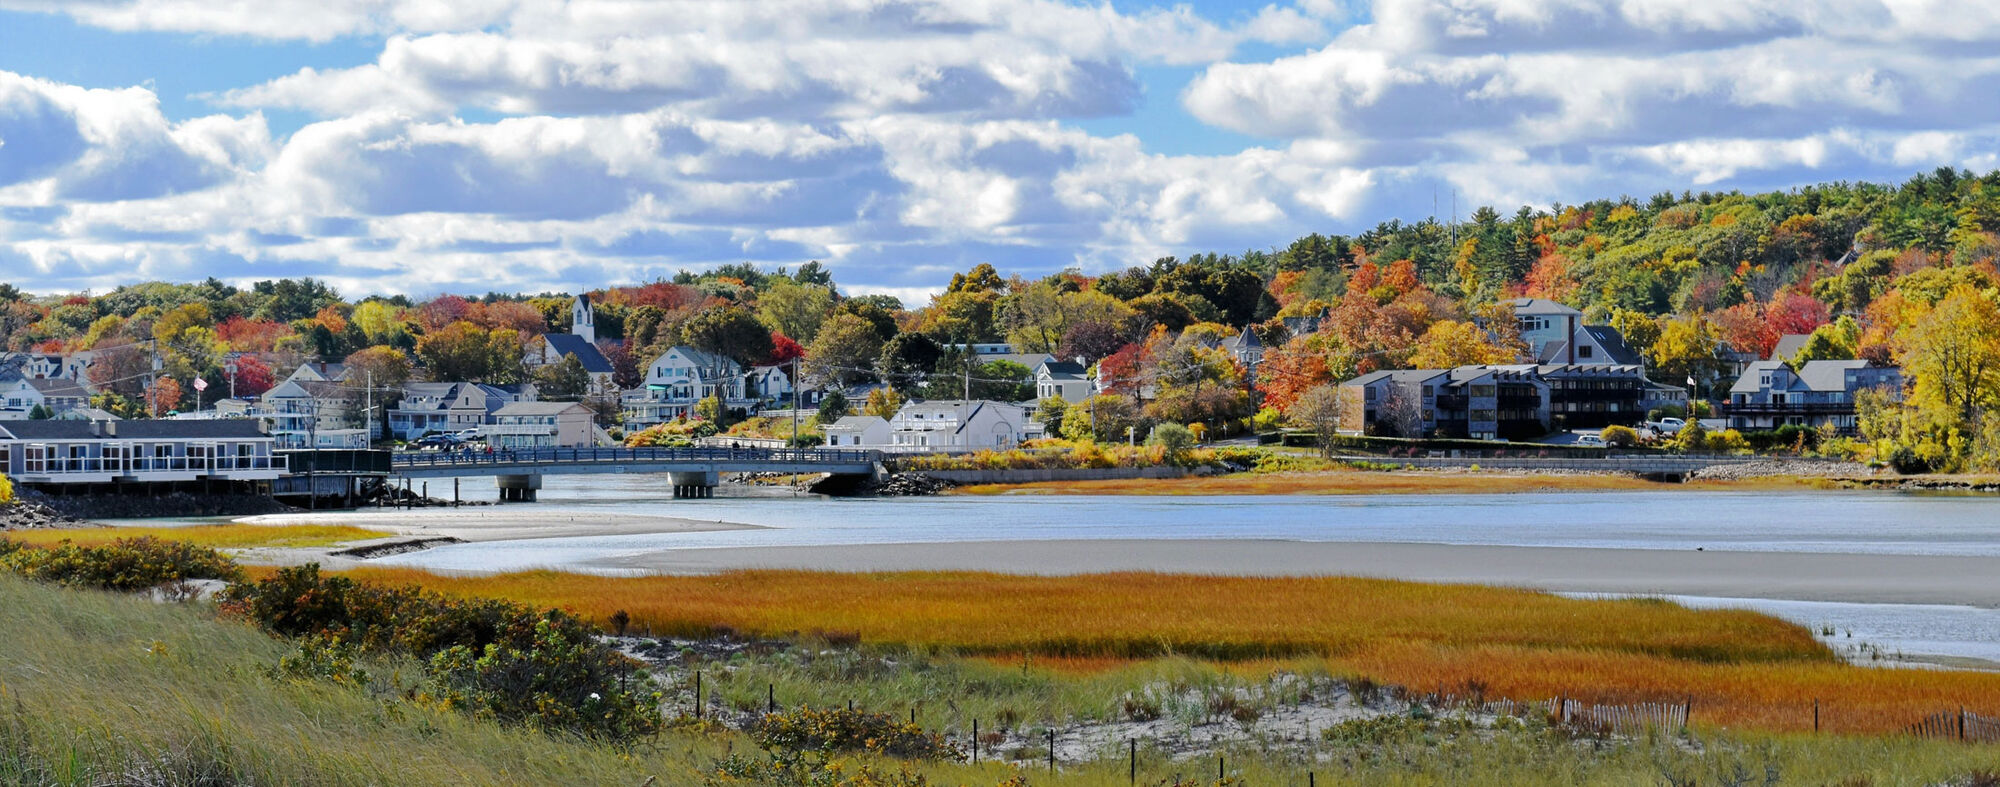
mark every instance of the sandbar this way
{"type": "Point", "coordinates": [1801, 576]}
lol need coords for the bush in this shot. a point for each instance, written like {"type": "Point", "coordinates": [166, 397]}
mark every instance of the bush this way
{"type": "Point", "coordinates": [842, 730]}
{"type": "Point", "coordinates": [493, 658]}
{"type": "Point", "coordinates": [1620, 436]}
{"type": "Point", "coordinates": [805, 440]}
{"type": "Point", "coordinates": [6, 489]}
{"type": "Point", "coordinates": [129, 564]}
{"type": "Point", "coordinates": [1174, 439]}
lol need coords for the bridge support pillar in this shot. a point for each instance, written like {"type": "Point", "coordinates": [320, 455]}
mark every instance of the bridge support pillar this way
{"type": "Point", "coordinates": [696, 485]}
{"type": "Point", "coordinates": [518, 488]}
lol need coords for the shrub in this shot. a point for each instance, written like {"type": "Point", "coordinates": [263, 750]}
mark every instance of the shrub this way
{"type": "Point", "coordinates": [1175, 439]}
{"type": "Point", "coordinates": [805, 440]}
{"type": "Point", "coordinates": [6, 489]}
{"type": "Point", "coordinates": [562, 679]}
{"type": "Point", "coordinates": [1620, 436]}
{"type": "Point", "coordinates": [842, 730]}
{"type": "Point", "coordinates": [129, 564]}
{"type": "Point", "coordinates": [493, 658]}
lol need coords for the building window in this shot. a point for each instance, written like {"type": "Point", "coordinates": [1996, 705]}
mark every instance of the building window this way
{"type": "Point", "coordinates": [1583, 350]}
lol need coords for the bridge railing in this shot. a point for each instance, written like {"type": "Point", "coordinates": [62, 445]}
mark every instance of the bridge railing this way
{"type": "Point", "coordinates": [538, 456]}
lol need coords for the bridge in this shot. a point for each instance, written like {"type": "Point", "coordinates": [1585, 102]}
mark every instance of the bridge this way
{"type": "Point", "coordinates": [694, 472]}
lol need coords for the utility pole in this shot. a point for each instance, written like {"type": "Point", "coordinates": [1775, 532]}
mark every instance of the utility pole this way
{"type": "Point", "coordinates": [795, 397]}
{"type": "Point", "coordinates": [967, 348]}
{"type": "Point", "coordinates": [368, 408]}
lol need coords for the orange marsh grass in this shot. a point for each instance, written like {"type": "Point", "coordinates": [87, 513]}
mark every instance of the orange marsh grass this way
{"type": "Point", "coordinates": [212, 536]}
{"type": "Point", "coordinates": [1739, 668]}
{"type": "Point", "coordinates": [1141, 615]}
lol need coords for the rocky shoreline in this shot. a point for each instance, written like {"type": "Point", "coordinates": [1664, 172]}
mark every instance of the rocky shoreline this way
{"type": "Point", "coordinates": [176, 504]}
{"type": "Point", "coordinates": [31, 515]}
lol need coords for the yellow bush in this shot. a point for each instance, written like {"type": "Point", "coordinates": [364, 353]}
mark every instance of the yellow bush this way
{"type": "Point", "coordinates": [6, 490]}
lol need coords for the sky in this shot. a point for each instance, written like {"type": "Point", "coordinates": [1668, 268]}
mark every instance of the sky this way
{"type": "Point", "coordinates": [431, 146]}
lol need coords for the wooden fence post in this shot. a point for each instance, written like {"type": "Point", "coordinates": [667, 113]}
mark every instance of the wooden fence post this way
{"type": "Point", "coordinates": [975, 740]}
{"type": "Point", "coordinates": [1132, 771]}
{"type": "Point", "coordinates": [1052, 750]}
{"type": "Point", "coordinates": [771, 698]}
{"type": "Point", "coordinates": [697, 695]}
{"type": "Point", "coordinates": [1815, 714]}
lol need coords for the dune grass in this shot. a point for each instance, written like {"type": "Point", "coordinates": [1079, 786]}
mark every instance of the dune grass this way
{"type": "Point", "coordinates": [103, 689]}
{"type": "Point", "coordinates": [231, 536]}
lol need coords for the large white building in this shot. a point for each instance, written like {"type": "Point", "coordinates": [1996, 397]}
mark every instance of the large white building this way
{"type": "Point", "coordinates": [103, 452]}
{"type": "Point", "coordinates": [679, 378]}
{"type": "Point", "coordinates": [958, 424]}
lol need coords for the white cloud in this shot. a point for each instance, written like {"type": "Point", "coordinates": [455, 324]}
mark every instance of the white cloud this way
{"type": "Point", "coordinates": [65, 143]}
{"type": "Point", "coordinates": [898, 140]}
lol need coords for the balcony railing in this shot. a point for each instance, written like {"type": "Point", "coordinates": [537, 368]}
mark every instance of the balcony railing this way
{"type": "Point", "coordinates": [1790, 408]}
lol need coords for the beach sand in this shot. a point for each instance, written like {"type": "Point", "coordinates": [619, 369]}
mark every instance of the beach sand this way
{"type": "Point", "coordinates": [480, 523]}
{"type": "Point", "coordinates": [1888, 579]}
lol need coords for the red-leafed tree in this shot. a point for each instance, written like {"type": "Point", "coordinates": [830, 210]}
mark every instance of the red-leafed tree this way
{"type": "Point", "coordinates": [783, 350]}
{"type": "Point", "coordinates": [252, 335]}
{"type": "Point", "coordinates": [1287, 372]}
{"type": "Point", "coordinates": [1743, 326]}
{"type": "Point", "coordinates": [1791, 311]}
{"type": "Point", "coordinates": [253, 377]}
{"type": "Point", "coordinates": [164, 396]}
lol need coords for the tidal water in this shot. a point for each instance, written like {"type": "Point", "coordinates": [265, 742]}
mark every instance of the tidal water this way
{"type": "Point", "coordinates": [1827, 522]}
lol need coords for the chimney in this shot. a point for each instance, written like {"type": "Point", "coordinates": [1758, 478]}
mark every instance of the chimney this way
{"type": "Point", "coordinates": [1569, 345]}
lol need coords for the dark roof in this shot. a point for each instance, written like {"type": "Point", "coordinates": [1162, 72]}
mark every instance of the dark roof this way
{"type": "Point", "coordinates": [572, 344]}
{"type": "Point", "coordinates": [48, 430]}
{"type": "Point", "coordinates": [1614, 344]}
{"type": "Point", "coordinates": [203, 429]}
{"type": "Point", "coordinates": [1788, 345]}
{"type": "Point", "coordinates": [191, 428]}
{"type": "Point", "coordinates": [1060, 368]}
{"type": "Point", "coordinates": [1243, 341]}
{"type": "Point", "coordinates": [57, 386]}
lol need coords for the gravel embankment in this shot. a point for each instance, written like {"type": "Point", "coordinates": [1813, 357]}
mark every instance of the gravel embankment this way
{"type": "Point", "coordinates": [1804, 468]}
{"type": "Point", "coordinates": [30, 515]}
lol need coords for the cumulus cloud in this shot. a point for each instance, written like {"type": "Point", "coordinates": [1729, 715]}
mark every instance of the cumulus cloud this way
{"type": "Point", "coordinates": [65, 143]}
{"type": "Point", "coordinates": [1700, 90]}
{"type": "Point", "coordinates": [542, 144]}
{"type": "Point", "coordinates": [792, 58]}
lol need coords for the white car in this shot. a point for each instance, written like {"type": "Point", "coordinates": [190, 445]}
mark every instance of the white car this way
{"type": "Point", "coordinates": [1590, 440]}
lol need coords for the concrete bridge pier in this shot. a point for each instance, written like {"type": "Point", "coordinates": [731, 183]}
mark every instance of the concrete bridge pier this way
{"type": "Point", "coordinates": [518, 488]}
{"type": "Point", "coordinates": [695, 485]}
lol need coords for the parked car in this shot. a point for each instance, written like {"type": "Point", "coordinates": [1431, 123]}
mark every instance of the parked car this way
{"type": "Point", "coordinates": [467, 434]}
{"type": "Point", "coordinates": [1666, 426]}
{"type": "Point", "coordinates": [1590, 441]}
{"type": "Point", "coordinates": [436, 442]}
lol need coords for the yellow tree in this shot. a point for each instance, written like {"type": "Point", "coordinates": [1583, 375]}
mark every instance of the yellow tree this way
{"type": "Point", "coordinates": [1450, 343]}
{"type": "Point", "coordinates": [1953, 354]}
{"type": "Point", "coordinates": [1686, 349]}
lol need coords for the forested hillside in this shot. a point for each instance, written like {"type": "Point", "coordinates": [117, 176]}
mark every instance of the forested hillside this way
{"type": "Point", "coordinates": [1895, 274]}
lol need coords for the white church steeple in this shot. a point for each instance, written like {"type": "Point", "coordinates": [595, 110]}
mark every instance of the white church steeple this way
{"type": "Point", "coordinates": [583, 319]}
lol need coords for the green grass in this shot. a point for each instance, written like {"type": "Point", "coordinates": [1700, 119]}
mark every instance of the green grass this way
{"type": "Point", "coordinates": [94, 686]}
{"type": "Point", "coordinates": [97, 688]}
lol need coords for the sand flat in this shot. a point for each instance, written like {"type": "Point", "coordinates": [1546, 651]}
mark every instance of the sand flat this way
{"type": "Point", "coordinates": [1856, 578]}
{"type": "Point", "coordinates": [495, 523]}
